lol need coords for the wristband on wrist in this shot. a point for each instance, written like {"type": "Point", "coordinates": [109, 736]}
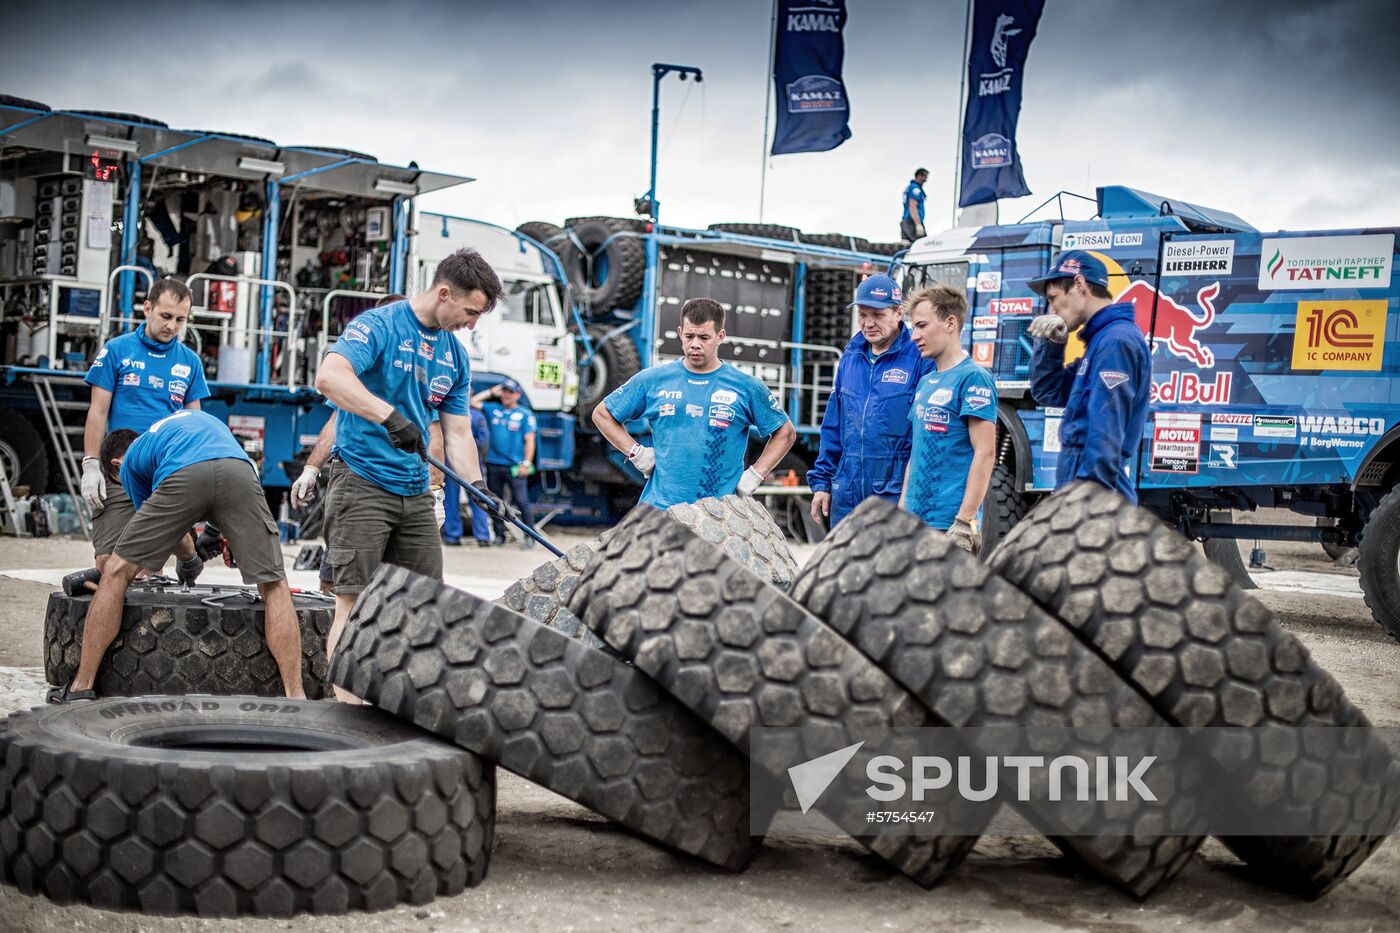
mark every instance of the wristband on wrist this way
{"type": "Point", "coordinates": [636, 449]}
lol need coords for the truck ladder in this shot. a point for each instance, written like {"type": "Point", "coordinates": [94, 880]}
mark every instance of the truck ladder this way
{"type": "Point", "coordinates": [70, 464]}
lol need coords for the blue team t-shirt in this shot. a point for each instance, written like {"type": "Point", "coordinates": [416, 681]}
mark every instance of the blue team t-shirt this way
{"type": "Point", "coordinates": [942, 453]}
{"type": "Point", "coordinates": [148, 380]}
{"type": "Point", "coordinates": [915, 191]}
{"type": "Point", "coordinates": [699, 426]}
{"type": "Point", "coordinates": [173, 443]}
{"type": "Point", "coordinates": [508, 429]}
{"type": "Point", "coordinates": [419, 370]}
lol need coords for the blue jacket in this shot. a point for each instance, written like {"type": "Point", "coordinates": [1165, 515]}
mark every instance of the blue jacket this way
{"type": "Point", "coordinates": [865, 430]}
{"type": "Point", "coordinates": [1105, 396]}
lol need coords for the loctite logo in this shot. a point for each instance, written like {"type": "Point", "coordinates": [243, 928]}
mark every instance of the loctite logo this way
{"type": "Point", "coordinates": [1189, 389]}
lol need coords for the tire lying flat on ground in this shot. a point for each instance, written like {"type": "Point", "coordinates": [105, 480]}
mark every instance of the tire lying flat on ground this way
{"type": "Point", "coordinates": [229, 806]}
{"type": "Point", "coordinates": [979, 653]}
{"type": "Point", "coordinates": [740, 525]}
{"type": "Point", "coordinates": [1205, 653]}
{"type": "Point", "coordinates": [741, 654]}
{"type": "Point", "coordinates": [171, 643]}
{"type": "Point", "coordinates": [565, 716]}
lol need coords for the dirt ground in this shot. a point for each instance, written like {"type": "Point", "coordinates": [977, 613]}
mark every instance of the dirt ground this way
{"type": "Point", "coordinates": [556, 866]}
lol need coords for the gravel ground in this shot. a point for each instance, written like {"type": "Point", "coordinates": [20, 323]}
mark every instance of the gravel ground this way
{"type": "Point", "coordinates": [559, 867]}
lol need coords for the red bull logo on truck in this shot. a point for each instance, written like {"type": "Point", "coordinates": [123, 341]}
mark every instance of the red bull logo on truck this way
{"type": "Point", "coordinates": [1172, 325]}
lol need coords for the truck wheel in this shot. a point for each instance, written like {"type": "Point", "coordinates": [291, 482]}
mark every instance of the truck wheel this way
{"type": "Point", "coordinates": [171, 643]}
{"type": "Point", "coordinates": [546, 233]}
{"type": "Point", "coordinates": [1225, 552]}
{"type": "Point", "coordinates": [549, 708]}
{"type": "Point", "coordinates": [613, 364]}
{"type": "Point", "coordinates": [1339, 553]}
{"type": "Point", "coordinates": [766, 231]}
{"type": "Point", "coordinates": [1006, 505]}
{"type": "Point", "coordinates": [744, 530]}
{"type": "Point", "coordinates": [610, 277]}
{"type": "Point", "coordinates": [740, 654]}
{"type": "Point", "coordinates": [1205, 653]}
{"type": "Point", "coordinates": [22, 453]}
{"type": "Point", "coordinates": [895, 574]}
{"type": "Point", "coordinates": [124, 117]}
{"type": "Point", "coordinates": [1379, 563]}
{"type": "Point", "coordinates": [836, 241]}
{"type": "Point", "coordinates": [9, 100]}
{"type": "Point", "coordinates": [237, 806]}
{"type": "Point", "coordinates": [634, 224]}
{"type": "Point", "coordinates": [543, 595]}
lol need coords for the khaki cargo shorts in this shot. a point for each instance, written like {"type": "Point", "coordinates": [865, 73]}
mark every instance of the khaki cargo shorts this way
{"type": "Point", "coordinates": [226, 492]}
{"type": "Point", "coordinates": [367, 526]}
{"type": "Point", "coordinates": [108, 525]}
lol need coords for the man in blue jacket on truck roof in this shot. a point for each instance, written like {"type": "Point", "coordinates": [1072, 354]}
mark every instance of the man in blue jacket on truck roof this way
{"type": "Point", "coordinates": [1106, 393]}
{"type": "Point", "coordinates": [865, 430]}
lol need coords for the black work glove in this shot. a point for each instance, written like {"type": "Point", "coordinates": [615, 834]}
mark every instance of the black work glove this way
{"type": "Point", "coordinates": [209, 544]}
{"type": "Point", "coordinates": [404, 434]}
{"type": "Point", "coordinates": [495, 505]}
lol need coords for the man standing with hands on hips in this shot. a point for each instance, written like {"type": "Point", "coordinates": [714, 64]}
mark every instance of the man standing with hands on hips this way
{"type": "Point", "coordinates": [1105, 394]}
{"type": "Point", "coordinates": [700, 410]}
{"type": "Point", "coordinates": [137, 379]}
{"type": "Point", "coordinates": [510, 458]}
{"type": "Point", "coordinates": [389, 371]}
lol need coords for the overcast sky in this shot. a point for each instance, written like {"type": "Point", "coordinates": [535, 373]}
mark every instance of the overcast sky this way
{"type": "Point", "coordinates": [1284, 112]}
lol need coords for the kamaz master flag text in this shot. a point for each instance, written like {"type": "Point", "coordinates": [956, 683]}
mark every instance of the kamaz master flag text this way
{"type": "Point", "coordinates": [1002, 31]}
{"type": "Point", "coordinates": [813, 113]}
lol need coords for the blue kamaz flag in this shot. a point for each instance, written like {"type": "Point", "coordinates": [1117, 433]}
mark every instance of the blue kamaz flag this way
{"type": "Point", "coordinates": [813, 113]}
{"type": "Point", "coordinates": [1002, 31]}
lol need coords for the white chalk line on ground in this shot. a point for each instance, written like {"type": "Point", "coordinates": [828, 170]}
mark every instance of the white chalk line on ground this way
{"type": "Point", "coordinates": [1303, 581]}
{"type": "Point", "coordinates": [220, 575]}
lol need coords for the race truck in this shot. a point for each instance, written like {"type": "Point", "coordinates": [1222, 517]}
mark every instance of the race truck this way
{"type": "Point", "coordinates": [281, 246]}
{"type": "Point", "coordinates": [786, 295]}
{"type": "Point", "coordinates": [1275, 371]}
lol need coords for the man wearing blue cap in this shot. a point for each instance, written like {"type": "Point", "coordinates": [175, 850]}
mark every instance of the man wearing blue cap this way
{"type": "Point", "coordinates": [1106, 393]}
{"type": "Point", "coordinates": [865, 439]}
{"type": "Point", "coordinates": [510, 455]}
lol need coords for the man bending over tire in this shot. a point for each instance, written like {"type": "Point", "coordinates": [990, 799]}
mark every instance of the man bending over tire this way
{"type": "Point", "coordinates": [391, 369]}
{"type": "Point", "coordinates": [186, 467]}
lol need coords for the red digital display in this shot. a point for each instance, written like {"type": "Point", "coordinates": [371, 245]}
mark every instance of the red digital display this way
{"type": "Point", "coordinates": [102, 169]}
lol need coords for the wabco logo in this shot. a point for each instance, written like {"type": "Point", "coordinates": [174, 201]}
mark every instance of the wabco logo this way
{"type": "Point", "coordinates": [1327, 424]}
{"type": "Point", "coordinates": [1311, 262]}
{"type": "Point", "coordinates": [1339, 334]}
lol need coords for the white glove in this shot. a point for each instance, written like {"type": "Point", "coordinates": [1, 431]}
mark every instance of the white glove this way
{"type": "Point", "coordinates": [304, 489]}
{"type": "Point", "coordinates": [966, 536]}
{"type": "Point", "coordinates": [750, 480]}
{"type": "Point", "coordinates": [94, 484]}
{"type": "Point", "coordinates": [918, 231]}
{"type": "Point", "coordinates": [1050, 327]}
{"type": "Point", "coordinates": [643, 458]}
{"type": "Point", "coordinates": [439, 510]}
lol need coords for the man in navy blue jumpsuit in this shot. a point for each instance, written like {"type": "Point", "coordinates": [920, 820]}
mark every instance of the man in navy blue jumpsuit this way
{"type": "Point", "coordinates": [865, 429]}
{"type": "Point", "coordinates": [1105, 394]}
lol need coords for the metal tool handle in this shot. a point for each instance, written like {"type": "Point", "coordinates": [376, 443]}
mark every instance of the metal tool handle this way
{"type": "Point", "coordinates": [489, 506]}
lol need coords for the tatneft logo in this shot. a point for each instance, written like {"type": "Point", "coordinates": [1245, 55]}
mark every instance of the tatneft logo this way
{"type": "Point", "coordinates": [1340, 334]}
{"type": "Point", "coordinates": [1312, 262]}
{"type": "Point", "coordinates": [1115, 777]}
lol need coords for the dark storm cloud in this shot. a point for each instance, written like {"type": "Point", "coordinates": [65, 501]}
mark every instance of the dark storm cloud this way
{"type": "Point", "coordinates": [1282, 111]}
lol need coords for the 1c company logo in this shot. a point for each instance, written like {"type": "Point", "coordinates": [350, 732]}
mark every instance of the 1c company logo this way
{"type": "Point", "coordinates": [1346, 335]}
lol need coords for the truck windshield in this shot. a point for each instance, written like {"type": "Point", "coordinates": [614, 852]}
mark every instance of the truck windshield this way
{"type": "Point", "coordinates": [937, 273]}
{"type": "Point", "coordinates": [526, 303]}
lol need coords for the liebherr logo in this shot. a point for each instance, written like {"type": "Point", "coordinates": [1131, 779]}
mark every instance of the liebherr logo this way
{"type": "Point", "coordinates": [1116, 777]}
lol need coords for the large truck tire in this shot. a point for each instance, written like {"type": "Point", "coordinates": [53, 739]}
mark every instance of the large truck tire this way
{"type": "Point", "coordinates": [1006, 505]}
{"type": "Point", "coordinates": [608, 277]}
{"type": "Point", "coordinates": [549, 708]}
{"type": "Point", "coordinates": [546, 233]}
{"type": "Point", "coordinates": [172, 643]}
{"type": "Point", "coordinates": [9, 100]}
{"type": "Point", "coordinates": [766, 231]}
{"type": "Point", "coordinates": [1379, 563]}
{"type": "Point", "coordinates": [962, 640]}
{"type": "Point", "coordinates": [1205, 653]}
{"type": "Point", "coordinates": [632, 224]}
{"type": "Point", "coordinates": [22, 453]}
{"type": "Point", "coordinates": [1226, 553]}
{"type": "Point", "coordinates": [124, 117]}
{"type": "Point", "coordinates": [543, 595]}
{"type": "Point", "coordinates": [237, 806]}
{"type": "Point", "coordinates": [614, 362]}
{"type": "Point", "coordinates": [740, 654]}
{"type": "Point", "coordinates": [1339, 553]}
{"type": "Point", "coordinates": [836, 241]}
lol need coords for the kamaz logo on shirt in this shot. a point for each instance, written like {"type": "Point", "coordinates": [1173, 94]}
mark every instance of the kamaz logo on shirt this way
{"type": "Point", "coordinates": [724, 397]}
{"type": "Point", "coordinates": [179, 371]}
{"type": "Point", "coordinates": [898, 376]}
{"type": "Point", "coordinates": [669, 393]}
{"type": "Point", "coordinates": [723, 412]}
{"type": "Point", "coordinates": [1113, 379]}
{"type": "Point", "coordinates": [936, 420]}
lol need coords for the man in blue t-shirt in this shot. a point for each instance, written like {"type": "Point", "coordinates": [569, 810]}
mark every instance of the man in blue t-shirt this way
{"type": "Point", "coordinates": [137, 379]}
{"type": "Point", "coordinates": [187, 467]}
{"type": "Point", "coordinates": [699, 411]}
{"type": "Point", "coordinates": [511, 458]}
{"type": "Point", "coordinates": [954, 417]}
{"type": "Point", "coordinates": [391, 368]}
{"type": "Point", "coordinates": [911, 222]}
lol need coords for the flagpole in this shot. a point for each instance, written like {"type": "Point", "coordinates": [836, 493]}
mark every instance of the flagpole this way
{"type": "Point", "coordinates": [962, 110]}
{"type": "Point", "coordinates": [767, 104]}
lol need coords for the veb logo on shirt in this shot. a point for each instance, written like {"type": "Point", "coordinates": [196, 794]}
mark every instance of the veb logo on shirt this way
{"type": "Point", "coordinates": [179, 371]}
{"type": "Point", "coordinates": [724, 397]}
{"type": "Point", "coordinates": [941, 397]}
